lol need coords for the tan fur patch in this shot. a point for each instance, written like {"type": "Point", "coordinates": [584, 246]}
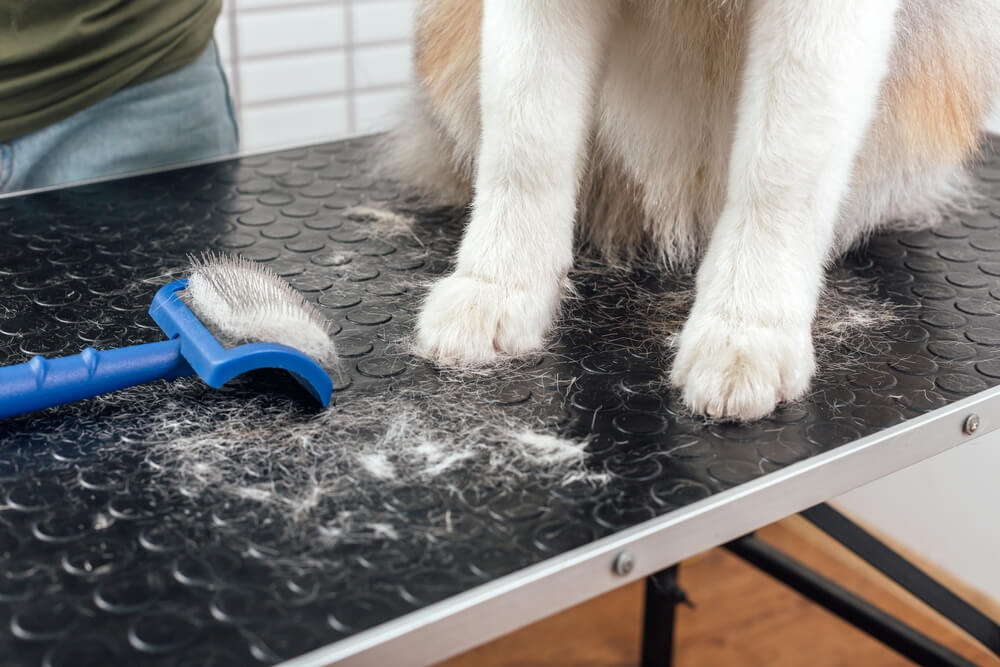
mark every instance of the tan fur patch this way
{"type": "Point", "coordinates": [448, 35]}
{"type": "Point", "coordinates": [945, 64]}
{"type": "Point", "coordinates": [610, 214]}
{"type": "Point", "coordinates": [936, 98]}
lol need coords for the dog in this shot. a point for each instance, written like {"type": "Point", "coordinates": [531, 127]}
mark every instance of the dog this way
{"type": "Point", "coordinates": [754, 139]}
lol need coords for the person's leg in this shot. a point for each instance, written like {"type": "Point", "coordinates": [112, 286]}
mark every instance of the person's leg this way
{"type": "Point", "coordinates": [6, 164]}
{"type": "Point", "coordinates": [180, 117]}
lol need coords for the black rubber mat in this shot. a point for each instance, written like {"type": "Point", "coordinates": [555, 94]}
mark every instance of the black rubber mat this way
{"type": "Point", "coordinates": [101, 563]}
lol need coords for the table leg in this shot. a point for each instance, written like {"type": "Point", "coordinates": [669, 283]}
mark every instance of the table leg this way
{"type": "Point", "coordinates": [861, 614]}
{"type": "Point", "coordinates": [663, 594]}
{"type": "Point", "coordinates": [927, 589]}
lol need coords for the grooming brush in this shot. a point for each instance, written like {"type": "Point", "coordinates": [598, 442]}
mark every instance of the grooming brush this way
{"type": "Point", "coordinates": [230, 316]}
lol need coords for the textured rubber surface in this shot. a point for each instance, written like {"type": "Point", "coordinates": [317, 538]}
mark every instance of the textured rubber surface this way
{"type": "Point", "coordinates": [98, 564]}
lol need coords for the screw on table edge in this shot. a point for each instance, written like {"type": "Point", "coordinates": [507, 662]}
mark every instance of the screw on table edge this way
{"type": "Point", "coordinates": [624, 563]}
{"type": "Point", "coordinates": [971, 424]}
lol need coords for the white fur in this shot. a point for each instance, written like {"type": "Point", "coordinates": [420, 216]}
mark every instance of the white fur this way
{"type": "Point", "coordinates": [539, 68]}
{"type": "Point", "coordinates": [811, 83]}
{"type": "Point", "coordinates": [750, 132]}
{"type": "Point", "coordinates": [242, 301]}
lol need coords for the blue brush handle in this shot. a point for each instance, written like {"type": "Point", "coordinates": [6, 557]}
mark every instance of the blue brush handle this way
{"type": "Point", "coordinates": [41, 382]}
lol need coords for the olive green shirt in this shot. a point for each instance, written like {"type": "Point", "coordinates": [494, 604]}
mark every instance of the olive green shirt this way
{"type": "Point", "coordinates": [58, 57]}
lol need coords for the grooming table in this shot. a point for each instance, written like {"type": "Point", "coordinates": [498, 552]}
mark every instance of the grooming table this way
{"type": "Point", "coordinates": [103, 563]}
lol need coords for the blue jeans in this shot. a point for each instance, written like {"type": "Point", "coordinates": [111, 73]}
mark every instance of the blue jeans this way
{"type": "Point", "coordinates": [176, 118]}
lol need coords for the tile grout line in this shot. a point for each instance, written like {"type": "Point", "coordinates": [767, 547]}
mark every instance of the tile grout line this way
{"type": "Point", "coordinates": [352, 120]}
{"type": "Point", "coordinates": [313, 50]}
{"type": "Point", "coordinates": [301, 4]}
{"type": "Point", "coordinates": [234, 56]}
{"type": "Point", "coordinates": [349, 93]}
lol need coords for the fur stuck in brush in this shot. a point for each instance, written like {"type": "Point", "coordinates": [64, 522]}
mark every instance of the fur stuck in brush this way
{"type": "Point", "coordinates": [759, 138]}
{"type": "Point", "coordinates": [245, 301]}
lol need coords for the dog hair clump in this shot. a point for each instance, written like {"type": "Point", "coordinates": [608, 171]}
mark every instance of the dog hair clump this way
{"type": "Point", "coordinates": [242, 301]}
{"type": "Point", "coordinates": [849, 327]}
{"type": "Point", "coordinates": [322, 478]}
{"type": "Point", "coordinates": [309, 481]}
{"type": "Point", "coordinates": [382, 222]}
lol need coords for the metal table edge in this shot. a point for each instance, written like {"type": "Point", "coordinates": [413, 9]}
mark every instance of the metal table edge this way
{"type": "Point", "coordinates": [239, 155]}
{"type": "Point", "coordinates": [469, 619]}
{"type": "Point", "coordinates": [486, 612]}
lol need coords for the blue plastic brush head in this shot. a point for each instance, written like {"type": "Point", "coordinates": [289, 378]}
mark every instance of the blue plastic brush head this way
{"type": "Point", "coordinates": [235, 315]}
{"type": "Point", "coordinates": [242, 301]}
{"type": "Point", "coordinates": [256, 319]}
{"type": "Point", "coordinates": [215, 364]}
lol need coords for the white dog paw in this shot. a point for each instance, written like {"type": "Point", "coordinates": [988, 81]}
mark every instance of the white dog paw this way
{"type": "Point", "coordinates": [731, 370]}
{"type": "Point", "coordinates": [467, 321]}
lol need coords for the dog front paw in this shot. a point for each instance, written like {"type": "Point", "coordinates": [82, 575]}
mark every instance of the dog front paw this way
{"type": "Point", "coordinates": [740, 371]}
{"type": "Point", "coordinates": [468, 321]}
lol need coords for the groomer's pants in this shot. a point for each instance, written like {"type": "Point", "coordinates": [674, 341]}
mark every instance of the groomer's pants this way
{"type": "Point", "coordinates": [183, 116]}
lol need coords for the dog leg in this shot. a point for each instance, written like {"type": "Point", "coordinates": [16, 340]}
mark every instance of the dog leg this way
{"type": "Point", "coordinates": [538, 73]}
{"type": "Point", "coordinates": [810, 89]}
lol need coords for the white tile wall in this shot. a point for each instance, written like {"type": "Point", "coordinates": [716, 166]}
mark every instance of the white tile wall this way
{"type": "Point", "coordinates": [288, 77]}
{"type": "Point", "coordinates": [375, 110]}
{"type": "Point", "coordinates": [380, 66]}
{"type": "Point", "coordinates": [313, 70]}
{"type": "Point", "coordinates": [382, 20]}
{"type": "Point", "coordinates": [298, 122]}
{"type": "Point", "coordinates": [285, 28]}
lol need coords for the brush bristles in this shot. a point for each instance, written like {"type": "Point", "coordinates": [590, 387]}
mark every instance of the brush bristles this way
{"type": "Point", "coordinates": [241, 301]}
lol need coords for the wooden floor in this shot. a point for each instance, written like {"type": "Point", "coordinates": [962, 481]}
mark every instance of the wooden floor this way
{"type": "Point", "coordinates": [741, 617]}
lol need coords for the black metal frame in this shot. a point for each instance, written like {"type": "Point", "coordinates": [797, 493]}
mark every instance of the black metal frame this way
{"type": "Point", "coordinates": [661, 599]}
{"type": "Point", "coordinates": [663, 593]}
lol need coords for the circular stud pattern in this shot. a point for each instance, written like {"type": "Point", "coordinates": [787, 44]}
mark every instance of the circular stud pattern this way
{"type": "Point", "coordinates": [100, 546]}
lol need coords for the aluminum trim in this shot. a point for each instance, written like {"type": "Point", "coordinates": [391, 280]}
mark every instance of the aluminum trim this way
{"type": "Point", "coordinates": [474, 617]}
{"type": "Point", "coordinates": [183, 165]}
